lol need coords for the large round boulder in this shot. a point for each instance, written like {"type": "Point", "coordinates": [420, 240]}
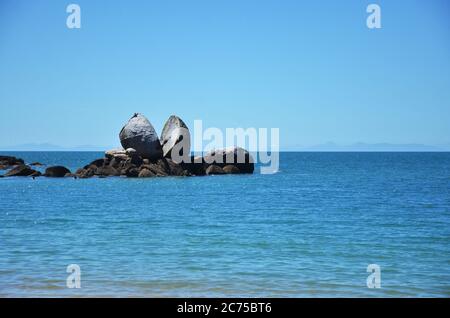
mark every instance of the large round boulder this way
{"type": "Point", "coordinates": [176, 140]}
{"type": "Point", "coordinates": [56, 172]}
{"type": "Point", "coordinates": [140, 135]}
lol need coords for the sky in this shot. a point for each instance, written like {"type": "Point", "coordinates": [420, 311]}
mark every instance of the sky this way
{"type": "Point", "coordinates": [310, 68]}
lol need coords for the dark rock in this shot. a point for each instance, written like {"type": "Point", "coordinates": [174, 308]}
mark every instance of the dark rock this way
{"type": "Point", "coordinates": [195, 166]}
{"type": "Point", "coordinates": [85, 173]}
{"type": "Point", "coordinates": [124, 166]}
{"type": "Point", "coordinates": [175, 136]}
{"type": "Point", "coordinates": [236, 156]}
{"type": "Point", "coordinates": [146, 173]}
{"type": "Point", "coordinates": [56, 172]}
{"type": "Point", "coordinates": [176, 169]}
{"type": "Point", "coordinates": [20, 171]}
{"type": "Point", "coordinates": [97, 163]}
{"type": "Point", "coordinates": [7, 161]}
{"type": "Point", "coordinates": [136, 160]}
{"type": "Point", "coordinates": [36, 174]}
{"type": "Point", "coordinates": [230, 169]}
{"type": "Point", "coordinates": [140, 135]}
{"type": "Point", "coordinates": [115, 163]}
{"type": "Point", "coordinates": [106, 171]}
{"type": "Point", "coordinates": [132, 173]}
{"type": "Point", "coordinates": [156, 168]}
{"type": "Point", "coordinates": [213, 169]}
{"type": "Point", "coordinates": [164, 165]}
{"type": "Point", "coordinates": [36, 164]}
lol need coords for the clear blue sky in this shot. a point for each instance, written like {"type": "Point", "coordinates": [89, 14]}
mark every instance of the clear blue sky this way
{"type": "Point", "coordinates": [311, 68]}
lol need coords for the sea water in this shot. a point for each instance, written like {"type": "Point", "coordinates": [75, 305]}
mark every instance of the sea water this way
{"type": "Point", "coordinates": [310, 230]}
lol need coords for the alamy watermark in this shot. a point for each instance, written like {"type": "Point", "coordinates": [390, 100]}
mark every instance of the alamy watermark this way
{"type": "Point", "coordinates": [236, 146]}
{"type": "Point", "coordinates": [374, 278]}
{"type": "Point", "coordinates": [374, 19]}
{"type": "Point", "coordinates": [73, 21]}
{"type": "Point", "coordinates": [74, 278]}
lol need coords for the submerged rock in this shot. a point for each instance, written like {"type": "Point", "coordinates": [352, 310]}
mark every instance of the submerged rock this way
{"type": "Point", "coordinates": [175, 137]}
{"type": "Point", "coordinates": [140, 135]}
{"type": "Point", "coordinates": [56, 172]}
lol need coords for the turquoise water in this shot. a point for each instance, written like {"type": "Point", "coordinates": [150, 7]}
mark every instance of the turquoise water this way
{"type": "Point", "coordinates": [308, 231]}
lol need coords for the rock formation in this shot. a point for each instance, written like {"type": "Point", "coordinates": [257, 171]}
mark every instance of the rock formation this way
{"type": "Point", "coordinates": [20, 171]}
{"type": "Point", "coordinates": [8, 161]}
{"type": "Point", "coordinates": [140, 135]}
{"type": "Point", "coordinates": [143, 156]}
{"type": "Point", "coordinates": [56, 172]}
{"type": "Point", "coordinates": [175, 137]}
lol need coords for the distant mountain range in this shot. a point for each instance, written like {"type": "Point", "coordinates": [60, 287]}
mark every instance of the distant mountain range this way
{"type": "Point", "coordinates": [52, 147]}
{"type": "Point", "coordinates": [360, 146]}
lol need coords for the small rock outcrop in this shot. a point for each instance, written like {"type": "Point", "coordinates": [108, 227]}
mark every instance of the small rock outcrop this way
{"type": "Point", "coordinates": [56, 172]}
{"type": "Point", "coordinates": [140, 135]}
{"type": "Point", "coordinates": [37, 164]}
{"type": "Point", "coordinates": [20, 171]}
{"type": "Point", "coordinates": [143, 156]}
{"type": "Point", "coordinates": [175, 136]}
{"type": "Point", "coordinates": [8, 161]}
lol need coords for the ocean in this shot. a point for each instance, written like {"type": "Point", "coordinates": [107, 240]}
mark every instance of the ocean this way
{"type": "Point", "coordinates": [310, 230]}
